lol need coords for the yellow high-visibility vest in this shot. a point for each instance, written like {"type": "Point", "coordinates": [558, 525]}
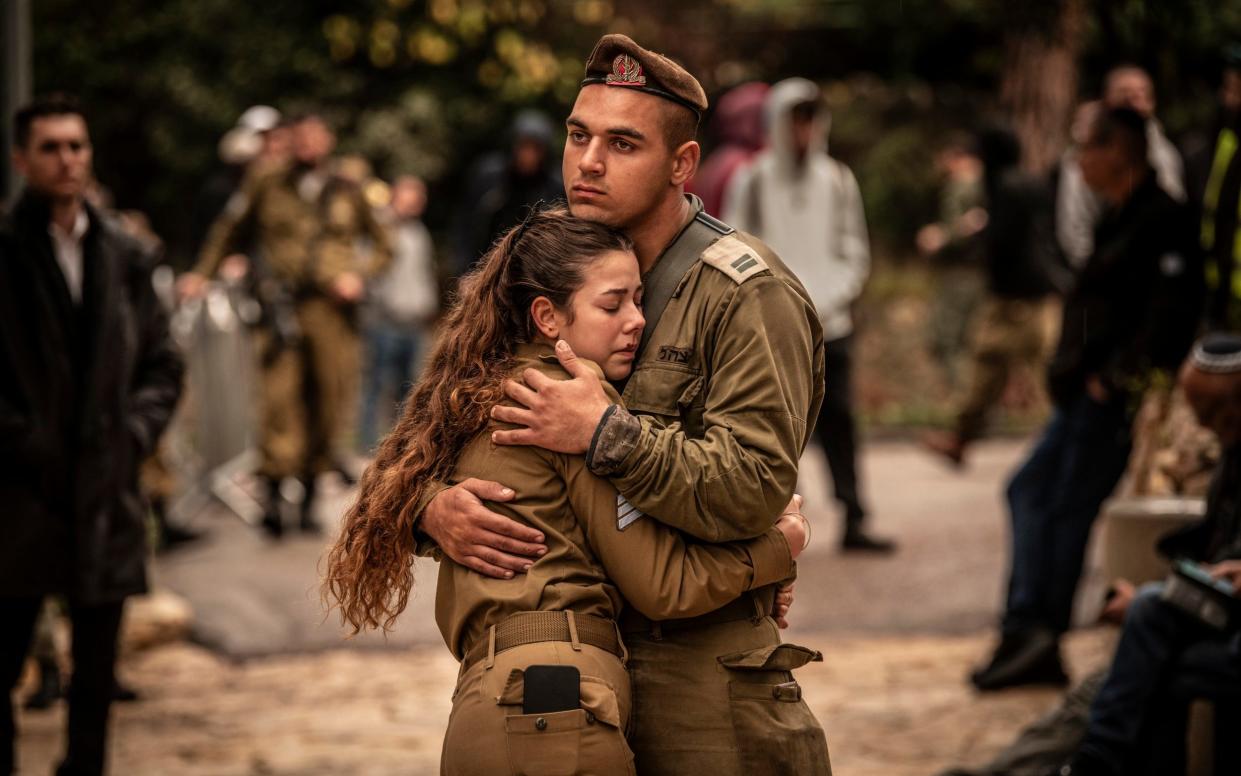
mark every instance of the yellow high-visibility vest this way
{"type": "Point", "coordinates": [1225, 150]}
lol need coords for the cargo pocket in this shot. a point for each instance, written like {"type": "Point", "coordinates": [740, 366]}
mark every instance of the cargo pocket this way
{"type": "Point", "coordinates": [586, 740]}
{"type": "Point", "coordinates": [775, 730]}
{"type": "Point", "coordinates": [668, 390]}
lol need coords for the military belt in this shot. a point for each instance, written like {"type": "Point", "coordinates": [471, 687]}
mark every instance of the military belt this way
{"type": "Point", "coordinates": [536, 627]}
{"type": "Point", "coordinates": [753, 606]}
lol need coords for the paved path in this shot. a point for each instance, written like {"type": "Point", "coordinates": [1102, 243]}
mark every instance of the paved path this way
{"type": "Point", "coordinates": [254, 597]}
{"type": "Point", "coordinates": [892, 705]}
{"type": "Point", "coordinates": [898, 634]}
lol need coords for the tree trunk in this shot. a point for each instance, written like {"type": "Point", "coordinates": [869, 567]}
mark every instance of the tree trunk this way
{"type": "Point", "coordinates": [1039, 82]}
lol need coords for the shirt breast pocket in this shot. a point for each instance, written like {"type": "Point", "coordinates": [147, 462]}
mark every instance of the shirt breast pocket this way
{"type": "Point", "coordinates": [672, 391]}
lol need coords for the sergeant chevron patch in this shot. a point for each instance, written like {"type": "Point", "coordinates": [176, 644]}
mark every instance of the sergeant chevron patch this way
{"type": "Point", "coordinates": [626, 513]}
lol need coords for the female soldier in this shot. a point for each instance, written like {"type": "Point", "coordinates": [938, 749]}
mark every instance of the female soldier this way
{"type": "Point", "coordinates": [552, 278]}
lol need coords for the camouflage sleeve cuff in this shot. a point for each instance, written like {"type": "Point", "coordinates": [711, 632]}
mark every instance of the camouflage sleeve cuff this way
{"type": "Point", "coordinates": [615, 438]}
{"type": "Point", "coordinates": [771, 558]}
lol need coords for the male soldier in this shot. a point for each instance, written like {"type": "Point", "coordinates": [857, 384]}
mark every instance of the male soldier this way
{"type": "Point", "coordinates": [717, 411]}
{"type": "Point", "coordinates": [307, 222]}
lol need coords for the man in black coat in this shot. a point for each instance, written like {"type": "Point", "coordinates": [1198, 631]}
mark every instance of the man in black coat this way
{"type": "Point", "coordinates": [89, 377]}
{"type": "Point", "coordinates": [1133, 310]}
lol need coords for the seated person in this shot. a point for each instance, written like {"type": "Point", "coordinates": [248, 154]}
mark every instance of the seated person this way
{"type": "Point", "coordinates": [1164, 653]}
{"type": "Point", "coordinates": [552, 278]}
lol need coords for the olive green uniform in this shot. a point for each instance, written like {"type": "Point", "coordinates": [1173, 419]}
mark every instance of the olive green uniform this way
{"type": "Point", "coordinates": [307, 226]}
{"type": "Point", "coordinates": [602, 556]}
{"type": "Point", "coordinates": [1009, 334]}
{"type": "Point", "coordinates": [716, 414]}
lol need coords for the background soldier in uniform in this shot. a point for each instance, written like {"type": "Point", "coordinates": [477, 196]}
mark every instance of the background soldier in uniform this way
{"type": "Point", "coordinates": [307, 223]}
{"type": "Point", "coordinates": [718, 409]}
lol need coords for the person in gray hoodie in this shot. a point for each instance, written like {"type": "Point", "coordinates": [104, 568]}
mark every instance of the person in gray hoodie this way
{"type": "Point", "coordinates": [808, 207]}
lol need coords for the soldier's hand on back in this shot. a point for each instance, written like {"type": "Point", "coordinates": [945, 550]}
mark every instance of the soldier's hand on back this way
{"type": "Point", "coordinates": [477, 538]}
{"type": "Point", "coordinates": [558, 415]}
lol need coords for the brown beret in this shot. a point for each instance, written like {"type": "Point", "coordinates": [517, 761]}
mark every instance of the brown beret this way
{"type": "Point", "coordinates": [618, 61]}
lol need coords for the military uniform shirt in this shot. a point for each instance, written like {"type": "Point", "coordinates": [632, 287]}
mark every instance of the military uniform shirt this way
{"type": "Point", "coordinates": [723, 396]}
{"type": "Point", "coordinates": [592, 565]}
{"type": "Point", "coordinates": [304, 240]}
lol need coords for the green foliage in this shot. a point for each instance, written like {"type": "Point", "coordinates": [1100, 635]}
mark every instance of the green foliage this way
{"type": "Point", "coordinates": [427, 85]}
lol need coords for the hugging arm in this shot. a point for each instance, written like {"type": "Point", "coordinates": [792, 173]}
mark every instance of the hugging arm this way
{"type": "Point", "coordinates": [731, 482]}
{"type": "Point", "coordinates": [661, 573]}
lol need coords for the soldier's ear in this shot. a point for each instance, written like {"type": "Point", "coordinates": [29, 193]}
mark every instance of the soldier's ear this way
{"type": "Point", "coordinates": [547, 319]}
{"type": "Point", "coordinates": [685, 162]}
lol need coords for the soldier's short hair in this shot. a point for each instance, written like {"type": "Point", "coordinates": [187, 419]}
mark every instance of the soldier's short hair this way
{"type": "Point", "coordinates": [680, 126]}
{"type": "Point", "coordinates": [53, 104]}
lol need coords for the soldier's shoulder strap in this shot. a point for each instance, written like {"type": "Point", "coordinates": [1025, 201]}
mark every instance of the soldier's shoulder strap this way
{"type": "Point", "coordinates": [736, 259]}
{"type": "Point", "coordinates": [662, 282]}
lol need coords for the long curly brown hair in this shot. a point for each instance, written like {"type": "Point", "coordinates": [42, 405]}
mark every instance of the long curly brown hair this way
{"type": "Point", "coordinates": [370, 572]}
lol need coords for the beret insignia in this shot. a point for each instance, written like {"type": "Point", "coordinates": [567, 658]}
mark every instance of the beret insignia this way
{"type": "Point", "coordinates": [626, 71]}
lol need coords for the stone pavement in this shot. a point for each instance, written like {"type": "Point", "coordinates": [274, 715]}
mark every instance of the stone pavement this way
{"type": "Point", "coordinates": [898, 634]}
{"type": "Point", "coordinates": [891, 705]}
{"type": "Point", "coordinates": [253, 597]}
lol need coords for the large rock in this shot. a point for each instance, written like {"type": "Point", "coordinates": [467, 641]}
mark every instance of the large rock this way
{"type": "Point", "coordinates": [1133, 526]}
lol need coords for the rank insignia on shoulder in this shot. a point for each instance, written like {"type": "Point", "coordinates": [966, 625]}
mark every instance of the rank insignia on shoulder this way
{"type": "Point", "coordinates": [626, 71]}
{"type": "Point", "coordinates": [626, 513]}
{"type": "Point", "coordinates": [734, 258]}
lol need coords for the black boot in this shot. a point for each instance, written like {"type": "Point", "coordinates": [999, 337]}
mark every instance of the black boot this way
{"type": "Point", "coordinates": [272, 523]}
{"type": "Point", "coordinates": [170, 536]}
{"type": "Point", "coordinates": [856, 539]}
{"type": "Point", "coordinates": [49, 690]}
{"type": "Point", "coordinates": [1023, 657]}
{"type": "Point", "coordinates": [123, 693]}
{"type": "Point", "coordinates": [309, 524]}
